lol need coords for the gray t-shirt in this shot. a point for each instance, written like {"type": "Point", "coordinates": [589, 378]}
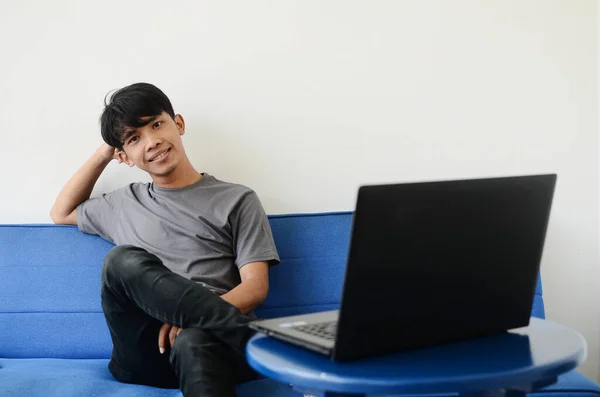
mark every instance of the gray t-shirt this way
{"type": "Point", "coordinates": [204, 232]}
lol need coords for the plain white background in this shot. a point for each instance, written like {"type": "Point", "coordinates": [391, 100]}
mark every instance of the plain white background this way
{"type": "Point", "coordinates": [306, 100]}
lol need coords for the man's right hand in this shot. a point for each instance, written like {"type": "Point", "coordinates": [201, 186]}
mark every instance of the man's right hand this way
{"type": "Point", "coordinates": [108, 152]}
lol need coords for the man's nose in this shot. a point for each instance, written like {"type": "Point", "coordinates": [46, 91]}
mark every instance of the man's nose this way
{"type": "Point", "coordinates": [153, 142]}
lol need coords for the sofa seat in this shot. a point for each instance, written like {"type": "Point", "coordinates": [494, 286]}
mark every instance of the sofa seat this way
{"type": "Point", "coordinates": [90, 377]}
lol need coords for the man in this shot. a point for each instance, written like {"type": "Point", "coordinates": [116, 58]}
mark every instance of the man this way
{"type": "Point", "coordinates": [191, 258]}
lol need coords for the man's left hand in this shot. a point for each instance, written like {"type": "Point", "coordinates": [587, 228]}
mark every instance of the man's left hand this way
{"type": "Point", "coordinates": [167, 334]}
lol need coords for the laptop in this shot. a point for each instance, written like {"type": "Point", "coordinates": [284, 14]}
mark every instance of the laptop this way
{"type": "Point", "coordinates": [432, 263]}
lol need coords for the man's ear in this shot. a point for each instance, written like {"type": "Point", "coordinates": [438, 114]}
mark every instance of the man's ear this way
{"type": "Point", "coordinates": [123, 157]}
{"type": "Point", "coordinates": [180, 123]}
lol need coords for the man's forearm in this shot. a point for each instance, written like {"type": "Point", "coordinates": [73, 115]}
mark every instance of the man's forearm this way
{"type": "Point", "coordinates": [248, 295]}
{"type": "Point", "coordinates": [80, 186]}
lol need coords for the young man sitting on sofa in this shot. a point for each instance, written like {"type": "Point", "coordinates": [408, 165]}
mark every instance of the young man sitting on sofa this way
{"type": "Point", "coordinates": [191, 257]}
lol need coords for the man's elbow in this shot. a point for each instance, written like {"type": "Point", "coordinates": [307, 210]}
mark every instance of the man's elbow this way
{"type": "Point", "coordinates": [61, 219]}
{"type": "Point", "coordinates": [262, 294]}
{"type": "Point", "coordinates": [55, 217]}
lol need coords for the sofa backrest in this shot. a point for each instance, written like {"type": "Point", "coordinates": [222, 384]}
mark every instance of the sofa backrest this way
{"type": "Point", "coordinates": [50, 282]}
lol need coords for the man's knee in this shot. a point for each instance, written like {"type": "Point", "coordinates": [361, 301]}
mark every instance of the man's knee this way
{"type": "Point", "coordinates": [122, 261]}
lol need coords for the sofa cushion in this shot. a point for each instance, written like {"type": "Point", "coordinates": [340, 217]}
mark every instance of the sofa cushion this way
{"type": "Point", "coordinates": [313, 250]}
{"type": "Point", "coordinates": [75, 377]}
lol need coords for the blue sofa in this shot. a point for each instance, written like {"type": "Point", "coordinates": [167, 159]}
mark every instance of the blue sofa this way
{"type": "Point", "coordinates": [53, 338]}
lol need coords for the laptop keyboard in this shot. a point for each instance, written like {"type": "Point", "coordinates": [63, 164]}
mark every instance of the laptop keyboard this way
{"type": "Point", "coordinates": [325, 330]}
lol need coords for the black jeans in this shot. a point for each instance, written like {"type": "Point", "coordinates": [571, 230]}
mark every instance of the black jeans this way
{"type": "Point", "coordinates": [139, 294]}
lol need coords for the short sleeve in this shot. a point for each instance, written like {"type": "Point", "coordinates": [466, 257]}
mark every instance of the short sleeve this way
{"type": "Point", "coordinates": [99, 215]}
{"type": "Point", "coordinates": [252, 236]}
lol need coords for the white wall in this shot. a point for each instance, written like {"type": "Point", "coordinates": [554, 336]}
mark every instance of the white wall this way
{"type": "Point", "coordinates": [305, 100]}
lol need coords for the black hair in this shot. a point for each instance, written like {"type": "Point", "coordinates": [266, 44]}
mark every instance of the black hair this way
{"type": "Point", "coordinates": [129, 107]}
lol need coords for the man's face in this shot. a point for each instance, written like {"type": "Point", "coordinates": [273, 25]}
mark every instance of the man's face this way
{"type": "Point", "coordinates": [156, 147]}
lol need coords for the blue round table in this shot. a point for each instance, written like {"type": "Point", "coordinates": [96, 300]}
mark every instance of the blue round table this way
{"type": "Point", "coordinates": [511, 364]}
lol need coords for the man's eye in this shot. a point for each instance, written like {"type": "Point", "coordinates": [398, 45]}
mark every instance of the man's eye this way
{"type": "Point", "coordinates": [133, 139]}
{"type": "Point", "coordinates": [157, 124]}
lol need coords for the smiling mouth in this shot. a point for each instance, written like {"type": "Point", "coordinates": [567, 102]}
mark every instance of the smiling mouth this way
{"type": "Point", "coordinates": [159, 156]}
